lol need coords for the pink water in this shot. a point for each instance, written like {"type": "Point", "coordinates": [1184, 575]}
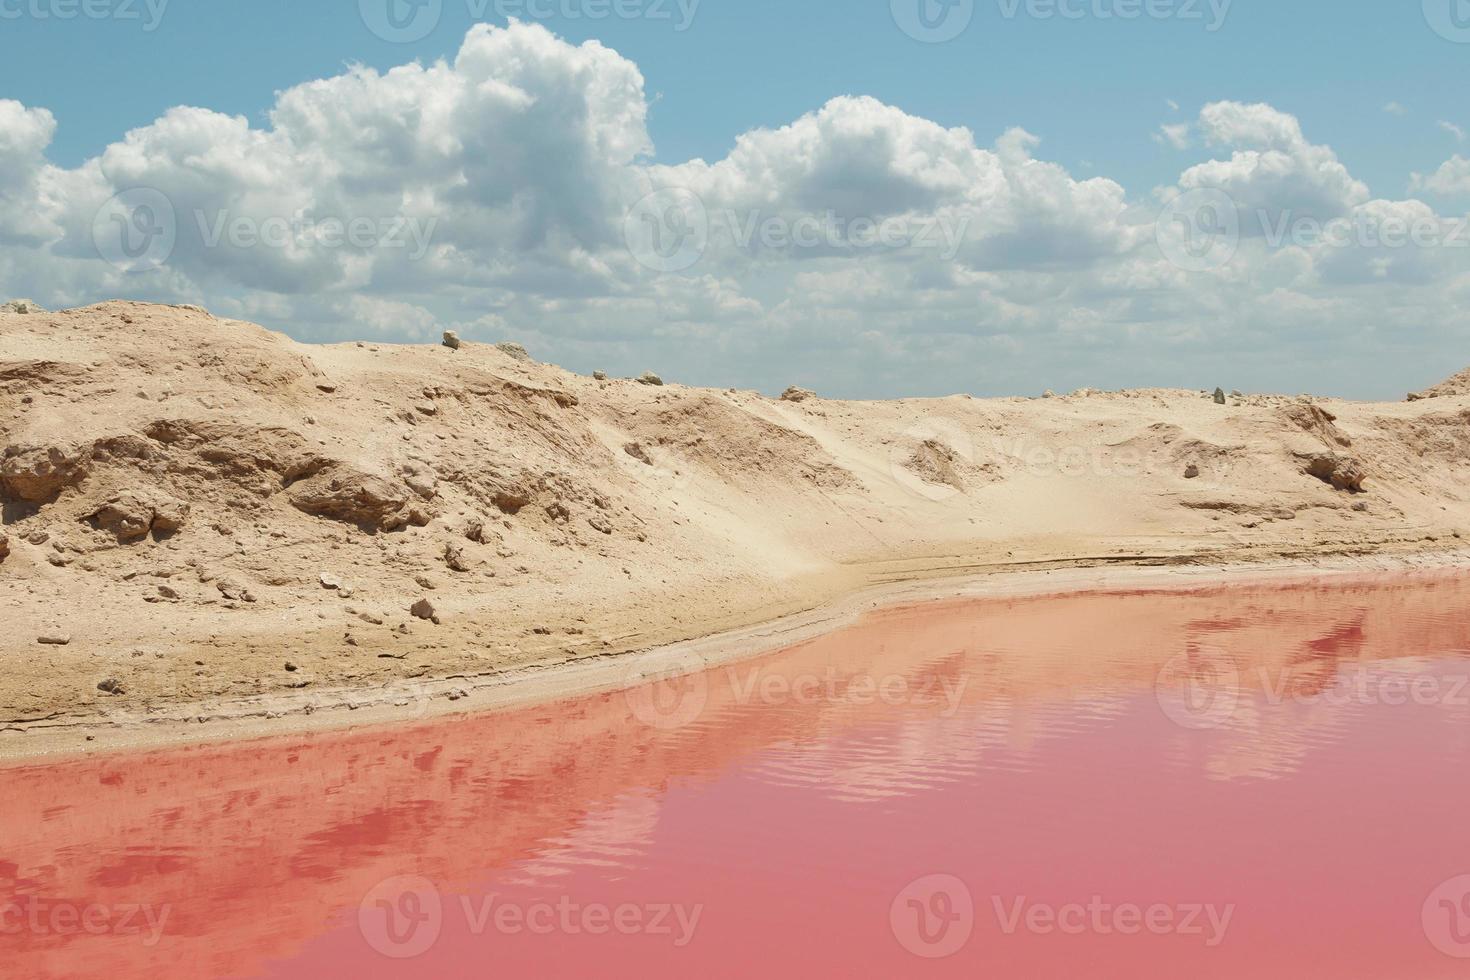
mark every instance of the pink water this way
{"type": "Point", "coordinates": [1264, 781]}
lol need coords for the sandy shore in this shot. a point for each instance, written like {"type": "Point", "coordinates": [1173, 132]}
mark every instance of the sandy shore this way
{"type": "Point", "coordinates": [285, 715]}
{"type": "Point", "coordinates": [204, 519]}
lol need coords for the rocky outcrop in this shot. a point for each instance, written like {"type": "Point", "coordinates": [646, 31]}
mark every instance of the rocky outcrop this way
{"type": "Point", "coordinates": [1313, 418]}
{"type": "Point", "coordinates": [344, 494]}
{"type": "Point", "coordinates": [1343, 472]}
{"type": "Point", "coordinates": [131, 516]}
{"type": "Point", "coordinates": [514, 351]}
{"type": "Point", "coordinates": [934, 462]}
{"type": "Point", "coordinates": [38, 474]}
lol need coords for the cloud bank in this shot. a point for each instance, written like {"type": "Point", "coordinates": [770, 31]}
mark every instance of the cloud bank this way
{"type": "Point", "coordinates": [514, 192]}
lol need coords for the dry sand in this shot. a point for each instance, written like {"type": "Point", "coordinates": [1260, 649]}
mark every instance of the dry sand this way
{"type": "Point", "coordinates": [224, 524]}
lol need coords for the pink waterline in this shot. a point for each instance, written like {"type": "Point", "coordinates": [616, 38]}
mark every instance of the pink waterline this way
{"type": "Point", "coordinates": [793, 825]}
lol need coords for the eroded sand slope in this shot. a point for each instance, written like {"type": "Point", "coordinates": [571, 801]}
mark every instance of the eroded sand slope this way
{"type": "Point", "coordinates": [201, 508]}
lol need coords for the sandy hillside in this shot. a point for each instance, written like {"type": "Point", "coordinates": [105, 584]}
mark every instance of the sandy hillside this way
{"type": "Point", "coordinates": [198, 508]}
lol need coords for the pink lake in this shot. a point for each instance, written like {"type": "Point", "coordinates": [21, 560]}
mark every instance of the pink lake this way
{"type": "Point", "coordinates": [1235, 781]}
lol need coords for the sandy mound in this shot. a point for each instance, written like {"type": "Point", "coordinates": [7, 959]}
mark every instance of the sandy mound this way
{"type": "Point", "coordinates": [1451, 387]}
{"type": "Point", "coordinates": [190, 503]}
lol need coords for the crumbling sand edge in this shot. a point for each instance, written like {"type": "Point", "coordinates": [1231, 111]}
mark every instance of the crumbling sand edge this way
{"type": "Point", "coordinates": [276, 716]}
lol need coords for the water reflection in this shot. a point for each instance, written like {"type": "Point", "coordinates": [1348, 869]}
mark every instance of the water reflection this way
{"type": "Point", "coordinates": [1054, 748]}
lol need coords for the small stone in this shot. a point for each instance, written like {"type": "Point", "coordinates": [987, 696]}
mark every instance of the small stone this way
{"type": "Point", "coordinates": [326, 389]}
{"type": "Point", "coordinates": [291, 668]}
{"type": "Point", "coordinates": [112, 686]}
{"type": "Point", "coordinates": [651, 379]}
{"type": "Point", "coordinates": [451, 340]}
{"type": "Point", "coordinates": [457, 694]}
{"type": "Point", "coordinates": [425, 582]}
{"type": "Point", "coordinates": [513, 350]}
{"type": "Point", "coordinates": [4, 546]}
{"type": "Point", "coordinates": [54, 639]}
{"type": "Point", "coordinates": [1360, 507]}
{"type": "Point", "coordinates": [1219, 396]}
{"type": "Point", "coordinates": [795, 394]}
{"type": "Point", "coordinates": [168, 592]}
{"type": "Point", "coordinates": [599, 375]}
{"type": "Point", "coordinates": [330, 581]}
{"type": "Point", "coordinates": [424, 609]}
{"type": "Point", "coordinates": [455, 559]}
{"type": "Point", "coordinates": [1049, 394]}
{"type": "Point", "coordinates": [38, 537]}
{"type": "Point", "coordinates": [1191, 472]}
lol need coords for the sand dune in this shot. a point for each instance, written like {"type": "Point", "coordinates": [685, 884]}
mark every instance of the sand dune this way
{"type": "Point", "coordinates": [197, 508]}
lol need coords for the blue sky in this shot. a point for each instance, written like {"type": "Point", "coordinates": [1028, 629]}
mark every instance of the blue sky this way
{"type": "Point", "coordinates": [526, 160]}
{"type": "Point", "coordinates": [1089, 88]}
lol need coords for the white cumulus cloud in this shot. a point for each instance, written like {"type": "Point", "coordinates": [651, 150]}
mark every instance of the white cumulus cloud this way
{"type": "Point", "coordinates": [499, 191]}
